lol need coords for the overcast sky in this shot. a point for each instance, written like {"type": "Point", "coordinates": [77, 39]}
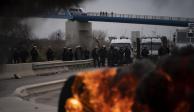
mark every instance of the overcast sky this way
{"type": "Point", "coordinates": [178, 8]}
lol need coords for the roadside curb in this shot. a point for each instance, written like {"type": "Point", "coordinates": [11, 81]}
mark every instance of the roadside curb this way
{"type": "Point", "coordinates": [34, 89]}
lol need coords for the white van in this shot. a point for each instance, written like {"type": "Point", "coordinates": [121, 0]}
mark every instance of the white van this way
{"type": "Point", "coordinates": [123, 42]}
{"type": "Point", "coordinates": [152, 44]}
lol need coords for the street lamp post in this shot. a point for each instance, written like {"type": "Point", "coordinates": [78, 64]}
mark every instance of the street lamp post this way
{"type": "Point", "coordinates": [151, 46]}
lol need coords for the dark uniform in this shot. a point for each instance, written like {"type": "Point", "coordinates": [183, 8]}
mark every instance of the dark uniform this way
{"type": "Point", "coordinates": [64, 55]}
{"type": "Point", "coordinates": [16, 56]}
{"type": "Point", "coordinates": [24, 55]}
{"type": "Point", "coordinates": [34, 54]}
{"type": "Point", "coordinates": [50, 54]}
{"type": "Point", "coordinates": [95, 57]}
{"type": "Point", "coordinates": [103, 55]}
{"type": "Point", "coordinates": [86, 54]}
{"type": "Point", "coordinates": [116, 56]}
{"type": "Point", "coordinates": [144, 52]}
{"type": "Point", "coordinates": [78, 53]}
{"type": "Point", "coordinates": [121, 56]}
{"type": "Point", "coordinates": [128, 55]}
{"type": "Point", "coordinates": [70, 54]}
{"type": "Point", "coordinates": [163, 51]}
{"type": "Point", "coordinates": [110, 56]}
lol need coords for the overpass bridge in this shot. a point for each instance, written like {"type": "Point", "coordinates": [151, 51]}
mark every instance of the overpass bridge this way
{"type": "Point", "coordinates": [135, 19]}
{"type": "Point", "coordinates": [79, 28]}
{"type": "Point", "coordinates": [122, 18]}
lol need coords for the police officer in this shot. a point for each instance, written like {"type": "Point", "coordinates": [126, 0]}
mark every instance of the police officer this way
{"type": "Point", "coordinates": [95, 57]}
{"type": "Point", "coordinates": [145, 52]}
{"type": "Point", "coordinates": [103, 55]}
{"type": "Point", "coordinates": [70, 54]}
{"type": "Point", "coordinates": [64, 55]}
{"type": "Point", "coordinates": [110, 56]}
{"type": "Point", "coordinates": [50, 54]}
{"type": "Point", "coordinates": [121, 56]}
{"type": "Point", "coordinates": [86, 54]}
{"type": "Point", "coordinates": [34, 54]}
{"type": "Point", "coordinates": [116, 56]}
{"type": "Point", "coordinates": [24, 54]}
{"type": "Point", "coordinates": [163, 50]}
{"type": "Point", "coordinates": [16, 55]}
{"type": "Point", "coordinates": [78, 53]}
{"type": "Point", "coordinates": [128, 55]}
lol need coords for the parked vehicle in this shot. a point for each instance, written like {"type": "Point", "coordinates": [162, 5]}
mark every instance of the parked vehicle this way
{"type": "Point", "coordinates": [152, 44]}
{"type": "Point", "coordinates": [77, 11]}
{"type": "Point", "coordinates": [123, 42]}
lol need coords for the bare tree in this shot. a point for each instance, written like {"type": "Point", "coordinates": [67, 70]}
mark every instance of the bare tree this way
{"type": "Point", "coordinates": [57, 35]}
{"type": "Point", "coordinates": [99, 37]}
{"type": "Point", "coordinates": [13, 35]}
{"type": "Point", "coordinates": [57, 42]}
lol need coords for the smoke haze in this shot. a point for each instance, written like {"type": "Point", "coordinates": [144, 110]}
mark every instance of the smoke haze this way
{"type": "Point", "coordinates": [179, 7]}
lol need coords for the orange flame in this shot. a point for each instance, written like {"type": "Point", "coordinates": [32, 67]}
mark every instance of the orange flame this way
{"type": "Point", "coordinates": [73, 105]}
{"type": "Point", "coordinates": [104, 91]}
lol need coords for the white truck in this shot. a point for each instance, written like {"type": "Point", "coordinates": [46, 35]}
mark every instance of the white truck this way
{"type": "Point", "coordinates": [184, 37]}
{"type": "Point", "coordinates": [152, 44]}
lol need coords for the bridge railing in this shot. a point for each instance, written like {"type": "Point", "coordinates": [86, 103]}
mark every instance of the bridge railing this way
{"type": "Point", "coordinates": [131, 16]}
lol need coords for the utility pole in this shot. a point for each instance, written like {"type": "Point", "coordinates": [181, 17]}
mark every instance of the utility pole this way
{"type": "Point", "coordinates": [151, 46]}
{"type": "Point", "coordinates": [138, 47]}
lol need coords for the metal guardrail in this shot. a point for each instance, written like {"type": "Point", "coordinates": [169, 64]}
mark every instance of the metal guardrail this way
{"type": "Point", "coordinates": [42, 68]}
{"type": "Point", "coordinates": [132, 16]}
{"type": "Point", "coordinates": [71, 65]}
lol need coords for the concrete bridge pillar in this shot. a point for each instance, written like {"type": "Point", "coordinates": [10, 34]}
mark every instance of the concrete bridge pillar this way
{"type": "Point", "coordinates": [79, 33]}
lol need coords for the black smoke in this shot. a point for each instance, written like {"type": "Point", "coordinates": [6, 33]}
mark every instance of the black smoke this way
{"type": "Point", "coordinates": [170, 87]}
{"type": "Point", "coordinates": [12, 12]}
{"type": "Point", "coordinates": [163, 3]}
{"type": "Point", "coordinates": [24, 8]}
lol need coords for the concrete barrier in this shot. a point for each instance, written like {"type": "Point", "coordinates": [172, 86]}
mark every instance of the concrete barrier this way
{"type": "Point", "coordinates": [49, 67]}
{"type": "Point", "coordinates": [8, 71]}
{"type": "Point", "coordinates": [30, 90]}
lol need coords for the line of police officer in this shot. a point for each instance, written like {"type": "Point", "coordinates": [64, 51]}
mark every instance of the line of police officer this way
{"type": "Point", "coordinates": [114, 56]}
{"type": "Point", "coordinates": [21, 55]}
{"type": "Point", "coordinates": [102, 56]}
{"type": "Point", "coordinates": [79, 54]}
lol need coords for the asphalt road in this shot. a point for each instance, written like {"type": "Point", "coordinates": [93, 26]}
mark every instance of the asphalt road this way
{"type": "Point", "coordinates": [50, 98]}
{"type": "Point", "coordinates": [7, 87]}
